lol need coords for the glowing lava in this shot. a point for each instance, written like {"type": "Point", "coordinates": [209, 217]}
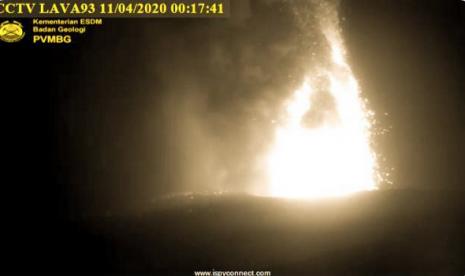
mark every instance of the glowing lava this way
{"type": "Point", "coordinates": [322, 148]}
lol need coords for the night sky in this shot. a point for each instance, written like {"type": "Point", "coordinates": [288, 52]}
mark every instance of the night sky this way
{"type": "Point", "coordinates": [138, 109]}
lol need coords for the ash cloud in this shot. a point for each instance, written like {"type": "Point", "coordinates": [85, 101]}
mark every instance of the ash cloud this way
{"type": "Point", "coordinates": [226, 82]}
{"type": "Point", "coordinates": [186, 105]}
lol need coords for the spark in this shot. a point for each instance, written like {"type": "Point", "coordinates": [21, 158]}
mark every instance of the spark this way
{"type": "Point", "coordinates": [323, 149]}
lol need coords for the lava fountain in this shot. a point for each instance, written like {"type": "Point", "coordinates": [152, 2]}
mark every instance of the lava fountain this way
{"type": "Point", "coordinates": [322, 148]}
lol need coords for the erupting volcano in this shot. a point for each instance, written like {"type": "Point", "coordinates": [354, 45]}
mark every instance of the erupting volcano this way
{"type": "Point", "coordinates": [323, 146]}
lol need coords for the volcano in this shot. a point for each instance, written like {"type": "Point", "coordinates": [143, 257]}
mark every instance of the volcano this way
{"type": "Point", "coordinates": [378, 233]}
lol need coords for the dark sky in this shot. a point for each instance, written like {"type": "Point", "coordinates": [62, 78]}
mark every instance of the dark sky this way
{"type": "Point", "coordinates": [142, 108]}
{"type": "Point", "coordinates": [409, 58]}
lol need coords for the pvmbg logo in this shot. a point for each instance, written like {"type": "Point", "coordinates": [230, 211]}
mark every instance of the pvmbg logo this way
{"type": "Point", "coordinates": [11, 31]}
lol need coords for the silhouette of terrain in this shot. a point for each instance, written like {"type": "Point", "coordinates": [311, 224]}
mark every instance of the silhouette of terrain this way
{"type": "Point", "coordinates": [377, 233]}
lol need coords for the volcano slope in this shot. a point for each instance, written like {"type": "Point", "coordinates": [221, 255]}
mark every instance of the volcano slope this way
{"type": "Point", "coordinates": [394, 232]}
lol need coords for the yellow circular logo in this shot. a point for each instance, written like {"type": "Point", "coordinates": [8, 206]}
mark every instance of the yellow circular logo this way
{"type": "Point", "coordinates": [11, 31]}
